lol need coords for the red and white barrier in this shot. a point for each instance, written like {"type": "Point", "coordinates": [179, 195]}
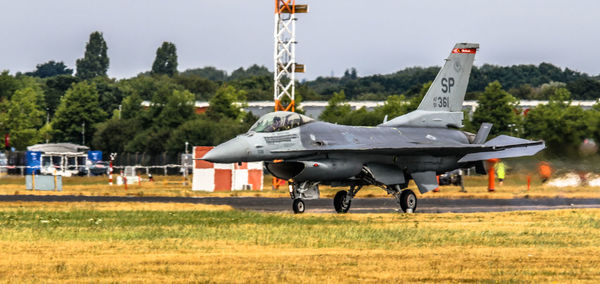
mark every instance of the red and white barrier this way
{"type": "Point", "coordinates": [248, 176]}
{"type": "Point", "coordinates": [224, 177]}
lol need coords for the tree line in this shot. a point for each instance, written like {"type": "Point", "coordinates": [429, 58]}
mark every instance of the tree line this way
{"type": "Point", "coordinates": [57, 104]}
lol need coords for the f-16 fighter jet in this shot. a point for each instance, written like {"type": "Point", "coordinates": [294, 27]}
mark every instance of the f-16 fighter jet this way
{"type": "Point", "coordinates": [418, 145]}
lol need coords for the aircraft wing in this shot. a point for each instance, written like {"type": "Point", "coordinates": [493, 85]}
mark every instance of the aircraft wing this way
{"type": "Point", "coordinates": [388, 150]}
{"type": "Point", "coordinates": [506, 147]}
{"type": "Point", "coordinates": [500, 147]}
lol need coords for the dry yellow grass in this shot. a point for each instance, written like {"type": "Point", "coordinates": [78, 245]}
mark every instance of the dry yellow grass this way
{"type": "Point", "coordinates": [106, 206]}
{"type": "Point", "coordinates": [222, 262]}
{"type": "Point", "coordinates": [515, 187]}
{"type": "Point", "coordinates": [177, 244]}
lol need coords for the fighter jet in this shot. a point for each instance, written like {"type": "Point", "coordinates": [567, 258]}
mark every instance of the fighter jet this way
{"type": "Point", "coordinates": [416, 146]}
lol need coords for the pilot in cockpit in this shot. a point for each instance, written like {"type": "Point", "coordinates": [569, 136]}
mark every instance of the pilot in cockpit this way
{"type": "Point", "coordinates": [275, 125]}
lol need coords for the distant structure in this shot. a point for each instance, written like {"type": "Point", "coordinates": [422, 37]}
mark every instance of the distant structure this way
{"type": "Point", "coordinates": [284, 55]}
{"type": "Point", "coordinates": [65, 159]}
{"type": "Point", "coordinates": [59, 148]}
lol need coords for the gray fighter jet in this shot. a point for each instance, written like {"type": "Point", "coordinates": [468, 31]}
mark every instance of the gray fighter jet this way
{"type": "Point", "coordinates": [418, 145]}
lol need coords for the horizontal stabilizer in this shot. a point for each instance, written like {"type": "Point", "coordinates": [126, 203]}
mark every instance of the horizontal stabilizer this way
{"type": "Point", "coordinates": [508, 147]}
{"type": "Point", "coordinates": [426, 181]}
{"type": "Point", "coordinates": [482, 134]}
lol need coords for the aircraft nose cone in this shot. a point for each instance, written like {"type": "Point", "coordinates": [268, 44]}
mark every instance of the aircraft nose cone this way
{"type": "Point", "coordinates": [232, 151]}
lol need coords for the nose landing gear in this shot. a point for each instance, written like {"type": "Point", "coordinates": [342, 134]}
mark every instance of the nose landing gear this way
{"type": "Point", "coordinates": [303, 191]}
{"type": "Point", "coordinates": [298, 206]}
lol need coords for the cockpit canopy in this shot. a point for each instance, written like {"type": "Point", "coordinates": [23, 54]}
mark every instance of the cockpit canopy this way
{"type": "Point", "coordinates": [279, 121]}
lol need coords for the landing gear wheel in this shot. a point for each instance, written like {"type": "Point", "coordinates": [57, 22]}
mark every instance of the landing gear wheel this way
{"type": "Point", "coordinates": [338, 202]}
{"type": "Point", "coordinates": [298, 206]}
{"type": "Point", "coordinates": [408, 201]}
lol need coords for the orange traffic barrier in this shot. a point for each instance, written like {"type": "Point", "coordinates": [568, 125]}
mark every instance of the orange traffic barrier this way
{"type": "Point", "coordinates": [491, 174]}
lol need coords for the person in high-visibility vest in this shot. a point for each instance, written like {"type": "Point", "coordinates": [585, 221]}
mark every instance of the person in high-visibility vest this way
{"type": "Point", "coordinates": [500, 172]}
{"type": "Point", "coordinates": [545, 171]}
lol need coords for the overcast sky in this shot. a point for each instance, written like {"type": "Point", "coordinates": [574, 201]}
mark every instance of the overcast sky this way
{"type": "Point", "coordinates": [373, 36]}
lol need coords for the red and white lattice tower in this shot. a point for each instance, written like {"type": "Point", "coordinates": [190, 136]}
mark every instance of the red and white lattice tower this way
{"type": "Point", "coordinates": [285, 66]}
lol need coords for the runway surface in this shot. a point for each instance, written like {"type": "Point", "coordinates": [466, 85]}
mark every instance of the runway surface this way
{"type": "Point", "coordinates": [359, 205]}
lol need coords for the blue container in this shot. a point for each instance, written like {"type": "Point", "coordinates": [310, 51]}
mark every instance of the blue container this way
{"type": "Point", "coordinates": [33, 161]}
{"type": "Point", "coordinates": [94, 156]}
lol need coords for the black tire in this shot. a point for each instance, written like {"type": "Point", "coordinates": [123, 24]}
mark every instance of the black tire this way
{"type": "Point", "coordinates": [338, 202]}
{"type": "Point", "coordinates": [298, 206]}
{"type": "Point", "coordinates": [408, 200]}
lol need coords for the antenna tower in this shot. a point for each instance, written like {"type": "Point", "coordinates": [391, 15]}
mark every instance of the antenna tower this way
{"type": "Point", "coordinates": [284, 55]}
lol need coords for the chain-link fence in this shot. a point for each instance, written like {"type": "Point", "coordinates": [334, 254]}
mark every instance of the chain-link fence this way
{"type": "Point", "coordinates": [166, 163]}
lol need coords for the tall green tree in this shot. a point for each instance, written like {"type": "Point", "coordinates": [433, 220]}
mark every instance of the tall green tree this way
{"type": "Point", "coordinates": [166, 60]}
{"type": "Point", "coordinates": [109, 93]}
{"type": "Point", "coordinates": [156, 88]}
{"type": "Point", "coordinates": [561, 125]}
{"type": "Point", "coordinates": [55, 88]}
{"type": "Point", "coordinates": [131, 107]}
{"type": "Point", "coordinates": [257, 87]}
{"type": "Point", "coordinates": [498, 107]}
{"type": "Point", "coordinates": [23, 116]}
{"type": "Point", "coordinates": [393, 107]}
{"type": "Point", "coordinates": [202, 88]}
{"type": "Point", "coordinates": [223, 120]}
{"type": "Point", "coordinates": [50, 69]}
{"type": "Point", "coordinates": [415, 101]}
{"type": "Point", "coordinates": [113, 134]}
{"type": "Point", "coordinates": [203, 131]}
{"type": "Point", "coordinates": [222, 104]}
{"type": "Point", "coordinates": [166, 117]}
{"type": "Point", "coordinates": [95, 60]}
{"type": "Point", "coordinates": [178, 109]}
{"type": "Point", "coordinates": [208, 72]}
{"type": "Point", "coordinates": [78, 114]}
{"type": "Point", "coordinates": [336, 109]}
{"type": "Point", "coordinates": [8, 85]}
{"type": "Point", "coordinates": [252, 71]}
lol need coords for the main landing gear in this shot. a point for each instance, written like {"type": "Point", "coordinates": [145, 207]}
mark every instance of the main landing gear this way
{"type": "Point", "coordinates": [408, 201]}
{"type": "Point", "coordinates": [299, 192]}
{"type": "Point", "coordinates": [406, 198]}
{"type": "Point", "coordinates": [343, 199]}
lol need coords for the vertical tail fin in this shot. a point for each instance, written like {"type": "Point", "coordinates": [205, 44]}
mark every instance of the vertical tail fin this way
{"type": "Point", "coordinates": [442, 104]}
{"type": "Point", "coordinates": [447, 92]}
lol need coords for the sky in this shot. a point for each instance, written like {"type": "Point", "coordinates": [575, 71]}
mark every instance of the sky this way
{"type": "Point", "coordinates": [375, 37]}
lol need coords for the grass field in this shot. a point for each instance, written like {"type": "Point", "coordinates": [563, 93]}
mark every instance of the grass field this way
{"type": "Point", "coordinates": [476, 186]}
{"type": "Point", "coordinates": [133, 242]}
